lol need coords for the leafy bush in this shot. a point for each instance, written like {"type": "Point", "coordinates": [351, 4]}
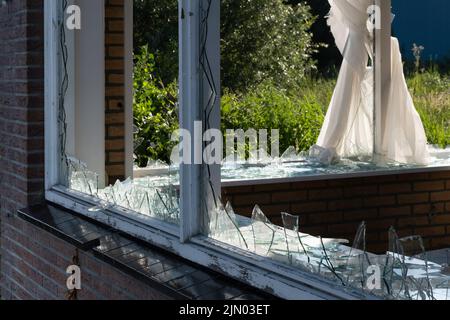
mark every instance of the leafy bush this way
{"type": "Point", "coordinates": [156, 26]}
{"type": "Point", "coordinates": [265, 40]}
{"type": "Point", "coordinates": [297, 112]}
{"type": "Point", "coordinates": [266, 107]}
{"type": "Point", "coordinates": [430, 90]}
{"type": "Point", "coordinates": [299, 118]}
{"type": "Point", "coordinates": [155, 111]}
{"type": "Point", "coordinates": [261, 40]}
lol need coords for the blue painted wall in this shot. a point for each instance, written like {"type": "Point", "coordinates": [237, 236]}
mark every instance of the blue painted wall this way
{"type": "Point", "coordinates": [424, 22]}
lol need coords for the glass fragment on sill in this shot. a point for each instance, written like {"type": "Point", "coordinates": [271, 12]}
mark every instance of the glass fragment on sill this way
{"type": "Point", "coordinates": [291, 222]}
{"type": "Point", "coordinates": [404, 269]}
{"type": "Point", "coordinates": [302, 164]}
{"type": "Point", "coordinates": [81, 179]}
{"type": "Point", "coordinates": [358, 260]}
{"type": "Point", "coordinates": [165, 205]}
{"type": "Point", "coordinates": [415, 270]}
{"type": "Point", "coordinates": [224, 226]}
{"type": "Point", "coordinates": [263, 232]}
{"type": "Point", "coordinates": [290, 155]}
{"type": "Point", "coordinates": [393, 267]}
{"type": "Point", "coordinates": [156, 198]}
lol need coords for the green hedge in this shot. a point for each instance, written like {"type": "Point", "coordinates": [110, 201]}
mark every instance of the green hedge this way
{"type": "Point", "coordinates": [431, 93]}
{"type": "Point", "coordinates": [298, 113]}
{"type": "Point", "coordinates": [298, 118]}
{"type": "Point", "coordinates": [267, 107]}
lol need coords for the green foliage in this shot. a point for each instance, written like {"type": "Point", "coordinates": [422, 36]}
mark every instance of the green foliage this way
{"type": "Point", "coordinates": [430, 90]}
{"type": "Point", "coordinates": [266, 107]}
{"type": "Point", "coordinates": [156, 25]}
{"type": "Point", "coordinates": [298, 117]}
{"type": "Point", "coordinates": [316, 88]}
{"type": "Point", "coordinates": [265, 40]}
{"type": "Point", "coordinates": [266, 74]}
{"type": "Point", "coordinates": [431, 93]}
{"type": "Point", "coordinates": [155, 111]}
{"type": "Point", "coordinates": [298, 113]}
{"type": "Point", "coordinates": [261, 40]}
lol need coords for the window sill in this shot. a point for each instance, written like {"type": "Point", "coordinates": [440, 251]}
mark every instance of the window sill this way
{"type": "Point", "coordinates": [152, 172]}
{"type": "Point", "coordinates": [162, 270]}
{"type": "Point", "coordinates": [339, 176]}
{"type": "Point", "coordinates": [256, 272]}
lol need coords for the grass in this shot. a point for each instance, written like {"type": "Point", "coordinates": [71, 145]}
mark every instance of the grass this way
{"type": "Point", "coordinates": [431, 95]}
{"type": "Point", "coordinates": [430, 91]}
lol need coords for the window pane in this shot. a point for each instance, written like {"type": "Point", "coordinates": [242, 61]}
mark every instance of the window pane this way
{"type": "Point", "coordinates": [282, 69]}
{"type": "Point", "coordinates": [339, 108]}
{"type": "Point", "coordinates": [120, 108]}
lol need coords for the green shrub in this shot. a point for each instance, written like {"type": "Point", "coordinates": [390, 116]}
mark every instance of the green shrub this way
{"type": "Point", "coordinates": [265, 40]}
{"type": "Point", "coordinates": [156, 25]}
{"type": "Point", "coordinates": [266, 107]}
{"type": "Point", "coordinates": [298, 112]}
{"type": "Point", "coordinates": [155, 111]}
{"type": "Point", "coordinates": [261, 39]}
{"type": "Point", "coordinates": [316, 88]}
{"type": "Point", "coordinates": [299, 118]}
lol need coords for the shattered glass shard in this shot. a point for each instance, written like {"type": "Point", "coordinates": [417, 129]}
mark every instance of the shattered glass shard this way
{"type": "Point", "coordinates": [291, 222]}
{"type": "Point", "coordinates": [150, 197]}
{"type": "Point", "coordinates": [290, 155]}
{"type": "Point", "coordinates": [357, 260]}
{"type": "Point", "coordinates": [263, 232]}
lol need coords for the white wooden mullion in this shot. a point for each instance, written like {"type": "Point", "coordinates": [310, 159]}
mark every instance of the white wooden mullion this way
{"type": "Point", "coordinates": [189, 102]}
{"type": "Point", "coordinates": [210, 93]}
{"type": "Point", "coordinates": [382, 67]}
{"type": "Point", "coordinates": [51, 69]}
{"type": "Point", "coordinates": [199, 184]}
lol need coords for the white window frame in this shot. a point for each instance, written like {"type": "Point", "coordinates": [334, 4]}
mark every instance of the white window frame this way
{"type": "Point", "coordinates": [263, 273]}
{"type": "Point", "coordinates": [128, 220]}
{"type": "Point", "coordinates": [183, 241]}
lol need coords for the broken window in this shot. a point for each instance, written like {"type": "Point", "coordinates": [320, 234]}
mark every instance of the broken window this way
{"type": "Point", "coordinates": [111, 113]}
{"type": "Point", "coordinates": [121, 150]}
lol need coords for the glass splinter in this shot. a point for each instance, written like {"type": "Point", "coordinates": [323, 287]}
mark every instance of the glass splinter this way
{"type": "Point", "coordinates": [291, 222]}
{"type": "Point", "coordinates": [231, 215]}
{"type": "Point", "coordinates": [259, 218]}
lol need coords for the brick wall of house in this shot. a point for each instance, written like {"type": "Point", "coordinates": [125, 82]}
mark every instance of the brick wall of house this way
{"type": "Point", "coordinates": [33, 262]}
{"type": "Point", "coordinates": [415, 204]}
{"type": "Point", "coordinates": [21, 105]}
{"type": "Point", "coordinates": [34, 267]}
{"type": "Point", "coordinates": [115, 91]}
{"type": "Point", "coordinates": [21, 113]}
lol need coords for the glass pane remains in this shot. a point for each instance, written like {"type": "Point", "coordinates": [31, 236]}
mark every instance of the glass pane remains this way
{"type": "Point", "coordinates": [403, 272]}
{"type": "Point", "coordinates": [156, 198]}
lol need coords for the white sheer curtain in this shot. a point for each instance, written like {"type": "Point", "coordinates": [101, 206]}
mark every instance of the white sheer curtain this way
{"type": "Point", "coordinates": [348, 127]}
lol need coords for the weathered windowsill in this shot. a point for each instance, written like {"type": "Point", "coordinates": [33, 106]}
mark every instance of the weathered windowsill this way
{"type": "Point", "coordinates": [164, 271]}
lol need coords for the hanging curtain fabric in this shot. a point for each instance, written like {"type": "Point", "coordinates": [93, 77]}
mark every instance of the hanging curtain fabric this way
{"type": "Point", "coordinates": [348, 127]}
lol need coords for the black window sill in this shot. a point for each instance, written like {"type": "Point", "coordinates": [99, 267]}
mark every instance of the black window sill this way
{"type": "Point", "coordinates": [171, 275]}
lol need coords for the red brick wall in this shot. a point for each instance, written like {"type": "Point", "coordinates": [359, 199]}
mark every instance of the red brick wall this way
{"type": "Point", "coordinates": [33, 262]}
{"type": "Point", "coordinates": [21, 113]}
{"type": "Point", "coordinates": [114, 88]}
{"type": "Point", "coordinates": [412, 203]}
{"type": "Point", "coordinates": [34, 267]}
{"type": "Point", "coordinates": [21, 105]}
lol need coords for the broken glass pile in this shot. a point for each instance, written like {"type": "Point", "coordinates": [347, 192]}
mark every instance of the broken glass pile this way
{"type": "Point", "coordinates": [293, 165]}
{"type": "Point", "coordinates": [151, 197]}
{"type": "Point", "coordinates": [403, 273]}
